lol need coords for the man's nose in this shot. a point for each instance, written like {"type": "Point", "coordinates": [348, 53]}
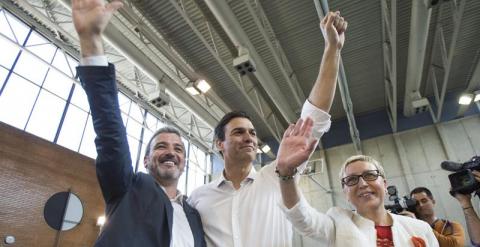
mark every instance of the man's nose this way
{"type": "Point", "coordinates": [170, 151]}
{"type": "Point", "coordinates": [248, 137]}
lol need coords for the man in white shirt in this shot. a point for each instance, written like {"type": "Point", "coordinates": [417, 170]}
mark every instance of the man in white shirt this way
{"type": "Point", "coordinates": [241, 207]}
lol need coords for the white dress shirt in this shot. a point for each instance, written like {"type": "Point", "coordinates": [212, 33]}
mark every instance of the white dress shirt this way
{"type": "Point", "coordinates": [250, 216]}
{"type": "Point", "coordinates": [182, 235]}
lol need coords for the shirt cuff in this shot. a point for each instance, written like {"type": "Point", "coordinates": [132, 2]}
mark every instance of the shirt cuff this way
{"type": "Point", "coordinates": [321, 119]}
{"type": "Point", "coordinates": [94, 61]}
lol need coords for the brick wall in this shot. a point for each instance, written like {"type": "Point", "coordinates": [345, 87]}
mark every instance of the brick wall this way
{"type": "Point", "coordinates": [32, 170]}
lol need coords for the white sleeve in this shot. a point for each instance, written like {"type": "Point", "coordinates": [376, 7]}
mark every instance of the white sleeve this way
{"type": "Point", "coordinates": [94, 61]}
{"type": "Point", "coordinates": [321, 119]}
{"type": "Point", "coordinates": [309, 222]}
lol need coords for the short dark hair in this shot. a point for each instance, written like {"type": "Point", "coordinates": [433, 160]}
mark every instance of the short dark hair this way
{"type": "Point", "coordinates": [166, 129]}
{"type": "Point", "coordinates": [420, 190]}
{"type": "Point", "coordinates": [219, 131]}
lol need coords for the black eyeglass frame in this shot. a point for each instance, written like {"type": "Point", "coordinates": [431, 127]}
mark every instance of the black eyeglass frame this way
{"type": "Point", "coordinates": [378, 174]}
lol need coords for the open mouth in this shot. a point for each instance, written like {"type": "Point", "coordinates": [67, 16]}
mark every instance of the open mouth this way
{"type": "Point", "coordinates": [169, 163]}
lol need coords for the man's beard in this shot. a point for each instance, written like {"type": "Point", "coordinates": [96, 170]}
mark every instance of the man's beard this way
{"type": "Point", "coordinates": [163, 174]}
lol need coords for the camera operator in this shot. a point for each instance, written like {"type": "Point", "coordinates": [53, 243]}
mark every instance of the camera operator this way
{"type": "Point", "coordinates": [448, 233]}
{"type": "Point", "coordinates": [471, 217]}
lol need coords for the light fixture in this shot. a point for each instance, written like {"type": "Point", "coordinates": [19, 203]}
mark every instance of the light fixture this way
{"type": "Point", "coordinates": [203, 86]}
{"type": "Point", "coordinates": [465, 99]}
{"type": "Point", "coordinates": [265, 148]}
{"type": "Point", "coordinates": [101, 220]}
{"type": "Point", "coordinates": [477, 96]}
{"type": "Point", "coordinates": [197, 87]}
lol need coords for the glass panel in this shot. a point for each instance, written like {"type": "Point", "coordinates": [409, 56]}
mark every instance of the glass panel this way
{"type": "Point", "coordinates": [88, 142]}
{"type": "Point", "coordinates": [147, 134]}
{"type": "Point", "coordinates": [151, 122]}
{"type": "Point", "coordinates": [134, 128]}
{"type": "Point", "coordinates": [195, 178]}
{"type": "Point", "coordinates": [46, 115]}
{"type": "Point", "coordinates": [196, 168]}
{"type": "Point", "coordinates": [208, 165]}
{"type": "Point", "coordinates": [14, 110]}
{"type": "Point", "coordinates": [31, 68]}
{"type": "Point", "coordinates": [73, 64]}
{"type": "Point", "coordinates": [160, 124]}
{"type": "Point", "coordinates": [124, 103]}
{"type": "Point", "coordinates": [124, 118]}
{"type": "Point", "coordinates": [58, 83]}
{"type": "Point", "coordinates": [41, 47]}
{"type": "Point", "coordinates": [5, 28]}
{"type": "Point", "coordinates": [60, 62]}
{"type": "Point", "coordinates": [133, 144]}
{"type": "Point", "coordinates": [141, 166]}
{"type": "Point", "coordinates": [136, 112]}
{"type": "Point", "coordinates": [9, 53]}
{"type": "Point", "coordinates": [3, 76]}
{"type": "Point", "coordinates": [72, 128]}
{"type": "Point", "coordinates": [79, 98]}
{"type": "Point", "coordinates": [19, 28]}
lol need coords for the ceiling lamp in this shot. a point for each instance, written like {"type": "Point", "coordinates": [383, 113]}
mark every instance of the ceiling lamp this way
{"type": "Point", "coordinates": [465, 99]}
{"type": "Point", "coordinates": [265, 148]}
{"type": "Point", "coordinates": [197, 87]}
{"type": "Point", "coordinates": [477, 96]}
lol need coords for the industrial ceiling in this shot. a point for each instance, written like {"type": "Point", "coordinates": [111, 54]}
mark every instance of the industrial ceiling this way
{"type": "Point", "coordinates": [402, 57]}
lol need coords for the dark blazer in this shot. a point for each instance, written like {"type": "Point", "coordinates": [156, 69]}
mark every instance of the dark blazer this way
{"type": "Point", "coordinates": [138, 211]}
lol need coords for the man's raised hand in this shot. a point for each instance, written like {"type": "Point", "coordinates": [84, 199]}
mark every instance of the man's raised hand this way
{"type": "Point", "coordinates": [90, 18]}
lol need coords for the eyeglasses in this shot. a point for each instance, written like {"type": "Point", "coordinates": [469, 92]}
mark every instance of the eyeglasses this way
{"type": "Point", "coordinates": [370, 175]}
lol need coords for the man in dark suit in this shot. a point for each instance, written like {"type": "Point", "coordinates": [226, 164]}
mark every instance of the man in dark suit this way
{"type": "Point", "coordinates": [142, 209]}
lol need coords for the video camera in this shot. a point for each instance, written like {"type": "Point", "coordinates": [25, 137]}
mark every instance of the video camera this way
{"type": "Point", "coordinates": [400, 204]}
{"type": "Point", "coordinates": [462, 180]}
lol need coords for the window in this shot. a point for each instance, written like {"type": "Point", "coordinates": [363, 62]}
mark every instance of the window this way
{"type": "Point", "coordinates": [46, 115]}
{"type": "Point", "coordinates": [39, 94]}
{"type": "Point", "coordinates": [15, 110]}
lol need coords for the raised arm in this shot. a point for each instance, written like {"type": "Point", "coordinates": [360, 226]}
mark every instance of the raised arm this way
{"type": "Point", "coordinates": [333, 29]}
{"type": "Point", "coordinates": [113, 163]}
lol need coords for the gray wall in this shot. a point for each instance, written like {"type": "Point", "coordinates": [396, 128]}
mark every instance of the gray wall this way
{"type": "Point", "coordinates": [411, 158]}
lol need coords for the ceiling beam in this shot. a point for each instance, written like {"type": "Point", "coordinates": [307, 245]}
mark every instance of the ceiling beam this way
{"type": "Point", "coordinates": [417, 45]}
{"type": "Point", "coordinates": [389, 36]}
{"type": "Point", "coordinates": [263, 25]}
{"type": "Point", "coordinates": [144, 29]}
{"type": "Point", "coordinates": [155, 70]}
{"type": "Point", "coordinates": [322, 8]}
{"type": "Point", "coordinates": [446, 56]}
{"type": "Point", "coordinates": [225, 16]}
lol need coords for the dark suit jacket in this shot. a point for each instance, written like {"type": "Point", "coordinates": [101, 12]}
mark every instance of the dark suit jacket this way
{"type": "Point", "coordinates": [138, 211]}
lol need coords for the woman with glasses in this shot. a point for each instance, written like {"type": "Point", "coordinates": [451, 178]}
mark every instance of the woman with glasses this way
{"type": "Point", "coordinates": [364, 185]}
